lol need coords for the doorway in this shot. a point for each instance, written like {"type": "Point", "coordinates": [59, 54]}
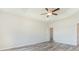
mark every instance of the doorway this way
{"type": "Point", "coordinates": [51, 34]}
{"type": "Point", "coordinates": [78, 33]}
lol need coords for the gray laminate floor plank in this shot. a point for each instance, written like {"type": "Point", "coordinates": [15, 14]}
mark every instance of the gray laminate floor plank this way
{"type": "Point", "coordinates": [46, 46]}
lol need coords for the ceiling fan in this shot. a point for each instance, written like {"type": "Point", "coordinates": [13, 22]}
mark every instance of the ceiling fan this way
{"type": "Point", "coordinates": [50, 11]}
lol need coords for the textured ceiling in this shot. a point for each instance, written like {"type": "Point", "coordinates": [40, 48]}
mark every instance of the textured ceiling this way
{"type": "Point", "coordinates": [35, 13]}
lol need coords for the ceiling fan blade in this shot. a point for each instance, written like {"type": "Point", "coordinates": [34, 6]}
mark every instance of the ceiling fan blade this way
{"type": "Point", "coordinates": [43, 14]}
{"type": "Point", "coordinates": [54, 14]}
{"type": "Point", "coordinates": [46, 9]}
{"type": "Point", "coordinates": [47, 16]}
{"type": "Point", "coordinates": [56, 9]}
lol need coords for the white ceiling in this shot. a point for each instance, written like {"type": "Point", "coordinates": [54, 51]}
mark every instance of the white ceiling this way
{"type": "Point", "coordinates": [35, 13]}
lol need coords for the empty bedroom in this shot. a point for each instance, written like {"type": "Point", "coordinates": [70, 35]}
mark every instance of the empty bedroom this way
{"type": "Point", "coordinates": [39, 29]}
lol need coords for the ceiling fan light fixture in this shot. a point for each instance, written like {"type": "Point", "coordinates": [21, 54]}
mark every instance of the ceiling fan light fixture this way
{"type": "Point", "coordinates": [49, 14]}
{"type": "Point", "coordinates": [51, 11]}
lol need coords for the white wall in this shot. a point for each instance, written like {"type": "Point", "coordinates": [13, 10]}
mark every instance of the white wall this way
{"type": "Point", "coordinates": [18, 31]}
{"type": "Point", "coordinates": [65, 30]}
